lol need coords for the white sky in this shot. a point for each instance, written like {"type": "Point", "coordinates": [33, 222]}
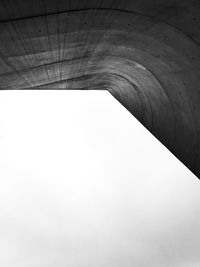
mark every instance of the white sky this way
{"type": "Point", "coordinates": [84, 184]}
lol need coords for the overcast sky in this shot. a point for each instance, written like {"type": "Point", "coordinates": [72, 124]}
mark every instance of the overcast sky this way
{"type": "Point", "coordinates": [84, 184]}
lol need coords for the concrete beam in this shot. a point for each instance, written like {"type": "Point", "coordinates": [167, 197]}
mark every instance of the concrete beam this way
{"type": "Point", "coordinates": [145, 53]}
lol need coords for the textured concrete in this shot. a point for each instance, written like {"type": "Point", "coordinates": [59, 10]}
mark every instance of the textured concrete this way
{"type": "Point", "coordinates": [145, 52]}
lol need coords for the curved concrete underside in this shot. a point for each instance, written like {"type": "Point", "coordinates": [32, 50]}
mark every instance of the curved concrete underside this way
{"type": "Point", "coordinates": [145, 53]}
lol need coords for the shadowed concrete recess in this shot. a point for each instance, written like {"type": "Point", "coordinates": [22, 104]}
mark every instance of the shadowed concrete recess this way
{"type": "Point", "coordinates": [146, 53]}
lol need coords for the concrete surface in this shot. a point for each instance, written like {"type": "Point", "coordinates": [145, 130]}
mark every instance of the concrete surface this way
{"type": "Point", "coordinates": [145, 53]}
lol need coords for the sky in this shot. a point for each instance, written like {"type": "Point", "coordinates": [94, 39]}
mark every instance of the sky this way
{"type": "Point", "coordinates": [84, 184]}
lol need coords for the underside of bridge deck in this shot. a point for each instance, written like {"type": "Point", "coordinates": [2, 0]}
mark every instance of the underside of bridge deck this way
{"type": "Point", "coordinates": [145, 53]}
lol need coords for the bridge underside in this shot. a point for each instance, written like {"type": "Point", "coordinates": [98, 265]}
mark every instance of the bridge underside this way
{"type": "Point", "coordinates": [145, 53]}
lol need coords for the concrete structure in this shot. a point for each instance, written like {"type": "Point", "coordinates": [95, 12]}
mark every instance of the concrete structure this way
{"type": "Point", "coordinates": [146, 53]}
